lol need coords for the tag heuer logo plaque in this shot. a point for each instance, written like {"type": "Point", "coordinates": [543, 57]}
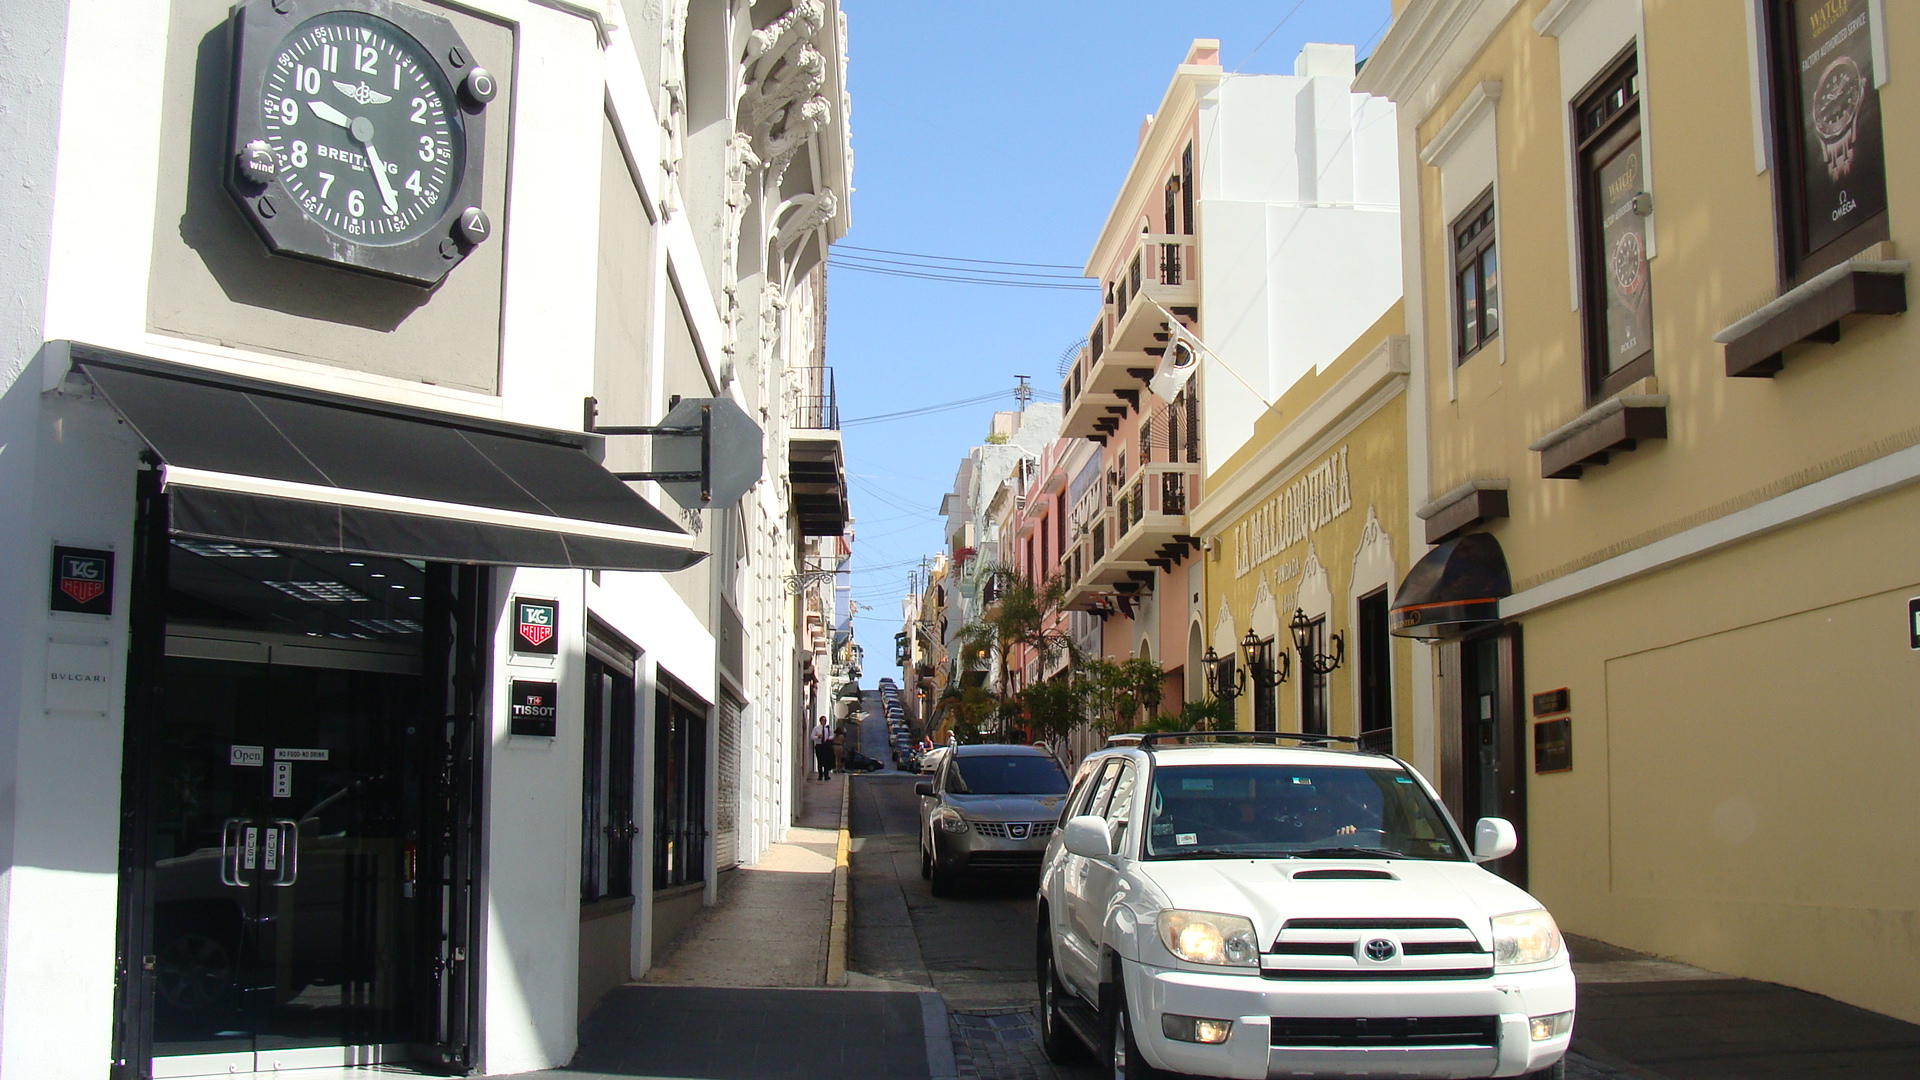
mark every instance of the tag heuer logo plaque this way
{"type": "Point", "coordinates": [82, 581]}
{"type": "Point", "coordinates": [535, 623]}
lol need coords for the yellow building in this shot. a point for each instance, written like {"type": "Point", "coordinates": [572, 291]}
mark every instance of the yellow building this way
{"type": "Point", "coordinates": [1666, 431]}
{"type": "Point", "coordinates": [1305, 527]}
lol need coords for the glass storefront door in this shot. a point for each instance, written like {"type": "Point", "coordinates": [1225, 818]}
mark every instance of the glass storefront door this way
{"type": "Point", "coordinates": [284, 906]}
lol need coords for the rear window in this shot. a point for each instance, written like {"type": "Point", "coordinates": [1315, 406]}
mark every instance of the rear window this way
{"type": "Point", "coordinates": [1302, 811]}
{"type": "Point", "coordinates": [1009, 774]}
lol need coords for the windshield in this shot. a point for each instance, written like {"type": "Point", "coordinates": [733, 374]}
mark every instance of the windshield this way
{"type": "Point", "coordinates": [1305, 811]}
{"type": "Point", "coordinates": [1007, 774]}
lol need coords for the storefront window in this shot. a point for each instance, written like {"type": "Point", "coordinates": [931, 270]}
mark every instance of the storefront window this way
{"type": "Point", "coordinates": [679, 792]}
{"type": "Point", "coordinates": [1313, 685]}
{"type": "Point", "coordinates": [606, 791]}
{"type": "Point", "coordinates": [1619, 298]}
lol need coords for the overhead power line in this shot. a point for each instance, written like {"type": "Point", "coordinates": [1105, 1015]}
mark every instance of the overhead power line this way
{"type": "Point", "coordinates": [844, 265]}
{"type": "Point", "coordinates": [953, 258]}
{"type": "Point", "coordinates": [868, 259]}
{"type": "Point", "coordinates": [924, 410]}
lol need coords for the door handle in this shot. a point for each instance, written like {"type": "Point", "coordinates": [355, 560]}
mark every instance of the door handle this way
{"type": "Point", "coordinates": [230, 851]}
{"type": "Point", "coordinates": [287, 837]}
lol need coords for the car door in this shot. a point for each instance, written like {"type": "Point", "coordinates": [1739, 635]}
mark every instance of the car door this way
{"type": "Point", "coordinates": [1103, 876]}
{"type": "Point", "coordinates": [1079, 960]}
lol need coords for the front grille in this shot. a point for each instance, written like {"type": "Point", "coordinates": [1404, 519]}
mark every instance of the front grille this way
{"type": "Point", "coordinates": [1006, 830]}
{"type": "Point", "coordinates": [1004, 860]}
{"type": "Point", "coordinates": [1336, 949]}
{"type": "Point", "coordinates": [1313, 1031]}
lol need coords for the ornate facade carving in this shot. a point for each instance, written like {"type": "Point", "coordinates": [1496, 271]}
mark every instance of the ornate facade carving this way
{"type": "Point", "coordinates": [672, 107]}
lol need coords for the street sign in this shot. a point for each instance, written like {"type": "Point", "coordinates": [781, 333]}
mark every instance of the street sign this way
{"type": "Point", "coordinates": [731, 456]}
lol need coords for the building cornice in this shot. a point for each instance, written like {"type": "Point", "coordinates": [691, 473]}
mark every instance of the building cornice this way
{"type": "Point", "coordinates": [1358, 393]}
{"type": "Point", "coordinates": [1557, 15]}
{"type": "Point", "coordinates": [1429, 42]}
{"type": "Point", "coordinates": [1480, 99]}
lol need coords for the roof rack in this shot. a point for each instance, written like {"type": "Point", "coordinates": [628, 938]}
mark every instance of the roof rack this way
{"type": "Point", "coordinates": [1146, 742]}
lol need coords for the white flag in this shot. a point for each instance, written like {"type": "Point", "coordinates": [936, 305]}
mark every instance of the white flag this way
{"type": "Point", "coordinates": [1178, 363]}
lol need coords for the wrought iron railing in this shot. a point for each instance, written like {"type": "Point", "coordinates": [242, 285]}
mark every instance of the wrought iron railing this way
{"type": "Point", "coordinates": [818, 406]}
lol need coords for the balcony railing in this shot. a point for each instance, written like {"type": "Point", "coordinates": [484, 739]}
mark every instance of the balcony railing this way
{"type": "Point", "coordinates": [818, 407]}
{"type": "Point", "coordinates": [1152, 513]}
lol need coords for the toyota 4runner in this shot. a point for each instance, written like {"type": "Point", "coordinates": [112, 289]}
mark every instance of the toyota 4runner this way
{"type": "Point", "coordinates": [1217, 904]}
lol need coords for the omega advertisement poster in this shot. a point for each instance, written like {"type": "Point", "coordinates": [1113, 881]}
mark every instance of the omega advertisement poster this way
{"type": "Point", "coordinates": [1844, 167]}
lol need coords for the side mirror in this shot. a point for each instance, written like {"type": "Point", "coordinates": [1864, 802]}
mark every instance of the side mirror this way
{"type": "Point", "coordinates": [924, 789]}
{"type": "Point", "coordinates": [1494, 838]}
{"type": "Point", "coordinates": [1086, 836]}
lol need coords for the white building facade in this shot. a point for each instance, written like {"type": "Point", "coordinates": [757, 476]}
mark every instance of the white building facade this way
{"type": "Point", "coordinates": [371, 710]}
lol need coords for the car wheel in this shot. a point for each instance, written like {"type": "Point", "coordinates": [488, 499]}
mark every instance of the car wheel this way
{"type": "Point", "coordinates": [1057, 1040]}
{"type": "Point", "coordinates": [1555, 1071]}
{"type": "Point", "coordinates": [1123, 1053]}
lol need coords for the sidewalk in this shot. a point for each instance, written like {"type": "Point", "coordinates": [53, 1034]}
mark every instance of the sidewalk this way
{"type": "Point", "coordinates": [770, 925]}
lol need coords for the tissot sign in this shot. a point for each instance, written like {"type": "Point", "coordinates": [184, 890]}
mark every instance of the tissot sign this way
{"type": "Point", "coordinates": [532, 708]}
{"type": "Point", "coordinates": [82, 581]}
{"type": "Point", "coordinates": [536, 626]}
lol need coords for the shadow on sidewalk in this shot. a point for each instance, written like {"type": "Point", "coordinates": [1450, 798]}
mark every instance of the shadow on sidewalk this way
{"type": "Point", "coordinates": [705, 1033]}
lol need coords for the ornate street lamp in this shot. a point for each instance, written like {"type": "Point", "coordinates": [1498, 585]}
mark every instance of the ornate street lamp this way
{"type": "Point", "coordinates": [1224, 681]}
{"type": "Point", "coordinates": [1316, 662]}
{"type": "Point", "coordinates": [1260, 661]}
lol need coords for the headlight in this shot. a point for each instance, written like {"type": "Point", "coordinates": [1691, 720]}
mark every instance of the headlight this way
{"type": "Point", "coordinates": [1525, 937]}
{"type": "Point", "coordinates": [1203, 937]}
{"type": "Point", "coordinates": [950, 821]}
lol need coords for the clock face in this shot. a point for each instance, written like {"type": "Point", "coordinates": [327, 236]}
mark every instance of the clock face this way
{"type": "Point", "coordinates": [369, 139]}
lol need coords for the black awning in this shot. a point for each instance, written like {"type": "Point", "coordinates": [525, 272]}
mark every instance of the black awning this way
{"type": "Point", "coordinates": [1455, 587]}
{"type": "Point", "coordinates": [260, 461]}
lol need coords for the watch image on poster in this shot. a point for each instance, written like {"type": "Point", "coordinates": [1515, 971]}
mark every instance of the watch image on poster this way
{"type": "Point", "coordinates": [1843, 166]}
{"type": "Point", "coordinates": [1623, 253]}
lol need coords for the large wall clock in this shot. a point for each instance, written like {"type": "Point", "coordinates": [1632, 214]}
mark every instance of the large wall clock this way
{"type": "Point", "coordinates": [357, 135]}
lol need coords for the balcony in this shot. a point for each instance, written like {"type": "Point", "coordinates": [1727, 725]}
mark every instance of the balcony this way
{"type": "Point", "coordinates": [1150, 516]}
{"type": "Point", "coordinates": [1126, 341]}
{"type": "Point", "coordinates": [816, 463]}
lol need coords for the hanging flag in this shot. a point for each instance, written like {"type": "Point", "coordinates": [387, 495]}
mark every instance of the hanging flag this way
{"type": "Point", "coordinates": [1178, 363]}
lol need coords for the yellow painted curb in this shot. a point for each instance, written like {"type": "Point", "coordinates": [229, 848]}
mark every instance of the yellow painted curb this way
{"type": "Point", "coordinates": [837, 930]}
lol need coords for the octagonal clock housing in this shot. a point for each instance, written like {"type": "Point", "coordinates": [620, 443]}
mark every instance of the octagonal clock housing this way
{"type": "Point", "coordinates": [357, 135]}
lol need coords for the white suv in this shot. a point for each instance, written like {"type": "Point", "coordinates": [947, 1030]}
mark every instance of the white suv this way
{"type": "Point", "coordinates": [1220, 905]}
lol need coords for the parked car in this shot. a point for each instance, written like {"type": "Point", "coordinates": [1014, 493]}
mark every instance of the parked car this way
{"type": "Point", "coordinates": [1219, 908]}
{"type": "Point", "coordinates": [987, 808]}
{"type": "Point", "coordinates": [930, 761]}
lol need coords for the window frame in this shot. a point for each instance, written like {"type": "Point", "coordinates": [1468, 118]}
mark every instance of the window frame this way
{"type": "Point", "coordinates": [1315, 711]}
{"type": "Point", "coordinates": [1468, 256]}
{"type": "Point", "coordinates": [1797, 260]}
{"type": "Point", "coordinates": [1266, 699]}
{"type": "Point", "coordinates": [607, 826]}
{"type": "Point", "coordinates": [1373, 677]}
{"type": "Point", "coordinates": [1591, 151]}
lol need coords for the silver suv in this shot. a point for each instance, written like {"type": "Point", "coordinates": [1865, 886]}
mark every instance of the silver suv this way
{"type": "Point", "coordinates": [987, 808]}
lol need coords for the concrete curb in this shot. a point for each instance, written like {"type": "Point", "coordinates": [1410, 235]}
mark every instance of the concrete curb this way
{"type": "Point", "coordinates": [836, 974]}
{"type": "Point", "coordinates": [934, 1022]}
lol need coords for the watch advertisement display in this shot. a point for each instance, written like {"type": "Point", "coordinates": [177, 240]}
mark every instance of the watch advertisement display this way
{"type": "Point", "coordinates": [1623, 253]}
{"type": "Point", "coordinates": [1843, 166]}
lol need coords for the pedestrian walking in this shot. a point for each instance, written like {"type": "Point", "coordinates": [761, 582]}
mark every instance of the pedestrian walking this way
{"type": "Point", "coordinates": [822, 749]}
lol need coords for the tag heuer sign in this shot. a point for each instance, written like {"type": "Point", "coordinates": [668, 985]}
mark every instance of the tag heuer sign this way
{"type": "Point", "coordinates": [82, 581]}
{"type": "Point", "coordinates": [535, 625]}
{"type": "Point", "coordinates": [533, 708]}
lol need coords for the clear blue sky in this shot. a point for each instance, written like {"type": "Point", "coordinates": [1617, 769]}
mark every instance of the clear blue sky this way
{"type": "Point", "coordinates": [994, 130]}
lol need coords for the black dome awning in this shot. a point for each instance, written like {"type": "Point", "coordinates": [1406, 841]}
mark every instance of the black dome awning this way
{"type": "Point", "coordinates": [1455, 587]}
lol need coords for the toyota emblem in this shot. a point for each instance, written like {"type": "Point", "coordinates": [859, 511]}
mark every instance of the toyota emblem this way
{"type": "Point", "coordinates": [1380, 950]}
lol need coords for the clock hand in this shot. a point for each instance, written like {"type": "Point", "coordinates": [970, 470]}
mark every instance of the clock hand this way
{"type": "Point", "coordinates": [328, 113]}
{"type": "Point", "coordinates": [387, 194]}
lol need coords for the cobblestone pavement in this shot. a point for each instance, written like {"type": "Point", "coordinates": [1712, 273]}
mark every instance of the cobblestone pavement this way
{"type": "Point", "coordinates": [1004, 1044]}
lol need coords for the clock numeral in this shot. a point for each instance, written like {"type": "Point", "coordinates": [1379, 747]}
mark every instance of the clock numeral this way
{"type": "Point", "coordinates": [326, 183]}
{"type": "Point", "coordinates": [366, 59]}
{"type": "Point", "coordinates": [419, 111]}
{"type": "Point", "coordinates": [356, 203]}
{"type": "Point", "coordinates": [289, 111]}
{"type": "Point", "coordinates": [306, 79]}
{"type": "Point", "coordinates": [426, 148]}
{"type": "Point", "coordinates": [329, 59]}
{"type": "Point", "coordinates": [396, 74]}
{"type": "Point", "coordinates": [413, 182]}
{"type": "Point", "coordinates": [299, 154]}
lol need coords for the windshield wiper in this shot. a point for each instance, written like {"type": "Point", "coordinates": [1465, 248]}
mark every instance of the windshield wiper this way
{"type": "Point", "coordinates": [1351, 852]}
{"type": "Point", "coordinates": [1222, 853]}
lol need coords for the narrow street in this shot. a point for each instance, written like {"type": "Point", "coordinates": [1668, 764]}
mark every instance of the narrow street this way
{"type": "Point", "coordinates": [975, 948]}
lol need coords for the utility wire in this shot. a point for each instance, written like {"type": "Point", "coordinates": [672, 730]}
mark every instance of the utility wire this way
{"type": "Point", "coordinates": [953, 258]}
{"type": "Point", "coordinates": [1247, 59]}
{"type": "Point", "coordinates": [843, 265]}
{"type": "Point", "coordinates": [924, 409]}
{"type": "Point", "coordinates": [867, 259]}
